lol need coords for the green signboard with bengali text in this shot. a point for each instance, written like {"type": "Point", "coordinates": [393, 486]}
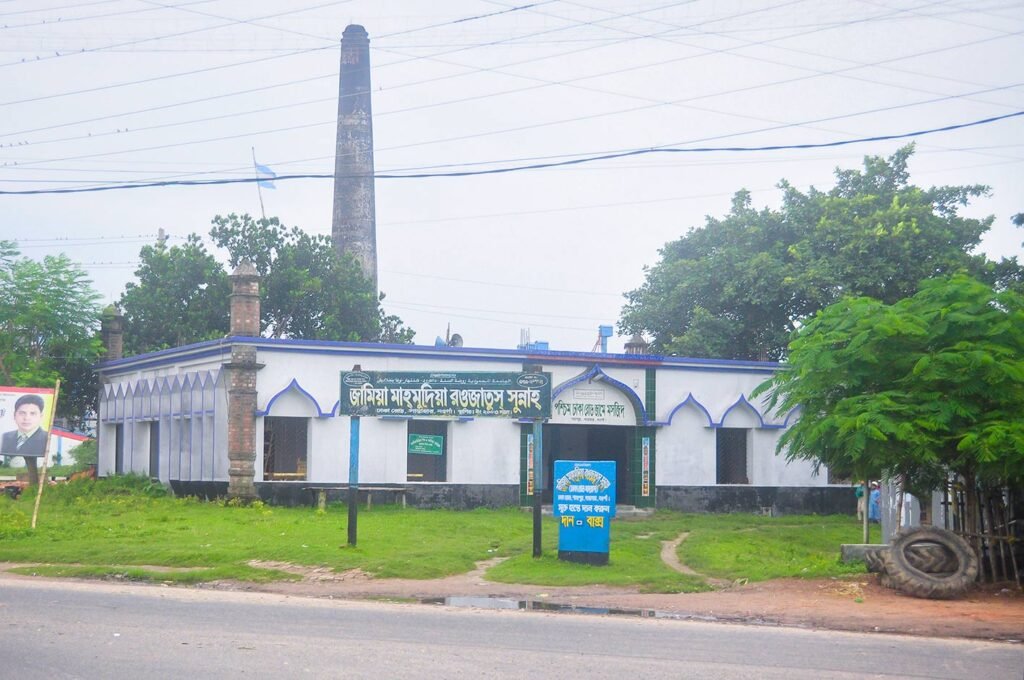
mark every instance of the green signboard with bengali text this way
{"type": "Point", "coordinates": [428, 444]}
{"type": "Point", "coordinates": [442, 394]}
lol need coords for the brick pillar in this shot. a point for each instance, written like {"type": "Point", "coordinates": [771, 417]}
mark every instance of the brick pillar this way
{"type": "Point", "coordinates": [241, 380]}
{"type": "Point", "coordinates": [112, 332]}
{"type": "Point", "coordinates": [241, 383]}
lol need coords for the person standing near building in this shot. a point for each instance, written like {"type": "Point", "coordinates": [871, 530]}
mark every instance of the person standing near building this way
{"type": "Point", "coordinates": [874, 510]}
{"type": "Point", "coordinates": [858, 492]}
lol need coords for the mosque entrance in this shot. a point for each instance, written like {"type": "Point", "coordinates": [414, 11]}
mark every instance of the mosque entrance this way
{"type": "Point", "coordinates": [590, 442]}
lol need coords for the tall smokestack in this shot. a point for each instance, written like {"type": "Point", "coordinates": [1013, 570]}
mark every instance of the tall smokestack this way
{"type": "Point", "coordinates": [354, 225]}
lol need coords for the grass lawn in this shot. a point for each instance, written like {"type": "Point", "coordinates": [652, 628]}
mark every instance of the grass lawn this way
{"type": "Point", "coordinates": [51, 471]}
{"type": "Point", "coordinates": [126, 526]}
{"type": "Point", "coordinates": [761, 548]}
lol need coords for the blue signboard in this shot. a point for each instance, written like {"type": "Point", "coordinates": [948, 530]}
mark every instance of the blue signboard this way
{"type": "Point", "coordinates": [584, 503]}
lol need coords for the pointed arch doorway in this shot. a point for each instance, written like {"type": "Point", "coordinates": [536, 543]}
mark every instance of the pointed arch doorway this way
{"type": "Point", "coordinates": [590, 442]}
{"type": "Point", "coordinates": [595, 417]}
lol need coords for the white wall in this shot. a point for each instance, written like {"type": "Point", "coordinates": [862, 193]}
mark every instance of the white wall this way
{"type": "Point", "coordinates": [686, 451]}
{"type": "Point", "coordinates": [484, 451]}
{"type": "Point", "coordinates": [303, 381]}
{"type": "Point", "coordinates": [193, 446]}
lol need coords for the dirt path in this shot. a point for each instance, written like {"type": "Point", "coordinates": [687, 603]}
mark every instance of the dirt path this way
{"type": "Point", "coordinates": [670, 556]}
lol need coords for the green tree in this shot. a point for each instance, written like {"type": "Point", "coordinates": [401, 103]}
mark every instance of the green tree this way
{"type": "Point", "coordinates": [393, 330]}
{"type": "Point", "coordinates": [181, 297]}
{"type": "Point", "coordinates": [721, 291]}
{"type": "Point", "coordinates": [307, 289]}
{"type": "Point", "coordinates": [1008, 273]}
{"type": "Point", "coordinates": [741, 284]}
{"type": "Point", "coordinates": [49, 318]}
{"type": "Point", "coordinates": [930, 386]}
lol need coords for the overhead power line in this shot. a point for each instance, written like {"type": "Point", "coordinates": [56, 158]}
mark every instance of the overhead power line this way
{"type": "Point", "coordinates": [652, 103]}
{"type": "Point", "coordinates": [538, 166]}
{"type": "Point", "coordinates": [92, 17]}
{"type": "Point", "coordinates": [77, 5]}
{"type": "Point", "coordinates": [251, 61]}
{"type": "Point", "coordinates": [201, 29]}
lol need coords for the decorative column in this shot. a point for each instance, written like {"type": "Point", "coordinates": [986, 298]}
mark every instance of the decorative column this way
{"type": "Point", "coordinates": [241, 382]}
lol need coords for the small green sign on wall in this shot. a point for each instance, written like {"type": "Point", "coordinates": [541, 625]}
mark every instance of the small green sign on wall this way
{"type": "Point", "coordinates": [429, 444]}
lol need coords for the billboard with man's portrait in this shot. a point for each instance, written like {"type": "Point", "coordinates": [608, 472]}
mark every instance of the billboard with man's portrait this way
{"type": "Point", "coordinates": [26, 416]}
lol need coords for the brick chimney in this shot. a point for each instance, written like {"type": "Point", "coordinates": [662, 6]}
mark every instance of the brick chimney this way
{"type": "Point", "coordinates": [245, 301]}
{"type": "Point", "coordinates": [112, 332]}
{"type": "Point", "coordinates": [354, 221]}
{"type": "Point", "coordinates": [637, 345]}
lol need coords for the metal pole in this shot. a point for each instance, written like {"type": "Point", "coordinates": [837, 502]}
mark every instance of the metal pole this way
{"type": "Point", "coordinates": [259, 191]}
{"type": "Point", "coordinates": [353, 479]}
{"type": "Point", "coordinates": [538, 485]}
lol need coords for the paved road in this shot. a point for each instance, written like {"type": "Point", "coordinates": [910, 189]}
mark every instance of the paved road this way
{"type": "Point", "coordinates": [74, 630]}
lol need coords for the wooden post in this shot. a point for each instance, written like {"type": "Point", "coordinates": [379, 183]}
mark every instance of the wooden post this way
{"type": "Point", "coordinates": [867, 507]}
{"type": "Point", "coordinates": [46, 454]}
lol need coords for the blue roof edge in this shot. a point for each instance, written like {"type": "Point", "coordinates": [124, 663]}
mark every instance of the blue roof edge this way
{"type": "Point", "coordinates": [223, 345]}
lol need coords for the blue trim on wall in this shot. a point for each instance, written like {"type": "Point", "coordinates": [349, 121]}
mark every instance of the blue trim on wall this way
{"type": "Point", "coordinates": [690, 401]}
{"type": "Point", "coordinates": [598, 374]}
{"type": "Point", "coordinates": [789, 415]}
{"type": "Point", "coordinates": [167, 356]}
{"type": "Point", "coordinates": [741, 401]}
{"type": "Point", "coordinates": [516, 356]}
{"type": "Point", "coordinates": [294, 384]}
{"type": "Point", "coordinates": [222, 346]}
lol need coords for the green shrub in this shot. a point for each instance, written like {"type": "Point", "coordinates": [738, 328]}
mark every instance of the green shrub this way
{"type": "Point", "coordinates": [85, 454]}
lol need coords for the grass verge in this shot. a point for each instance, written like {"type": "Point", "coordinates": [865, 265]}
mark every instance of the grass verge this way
{"type": "Point", "coordinates": [762, 548]}
{"type": "Point", "coordinates": [126, 527]}
{"type": "Point", "coordinates": [151, 575]}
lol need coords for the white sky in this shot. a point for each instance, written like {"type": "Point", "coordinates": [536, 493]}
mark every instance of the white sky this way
{"type": "Point", "coordinates": [90, 95]}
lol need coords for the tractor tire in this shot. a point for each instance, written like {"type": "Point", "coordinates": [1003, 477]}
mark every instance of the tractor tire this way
{"type": "Point", "coordinates": [885, 581]}
{"type": "Point", "coordinates": [927, 557]}
{"type": "Point", "coordinates": [873, 558]}
{"type": "Point", "coordinates": [932, 558]}
{"type": "Point", "coordinates": [901, 573]}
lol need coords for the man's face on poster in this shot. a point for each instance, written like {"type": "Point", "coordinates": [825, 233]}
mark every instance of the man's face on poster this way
{"type": "Point", "coordinates": [27, 417]}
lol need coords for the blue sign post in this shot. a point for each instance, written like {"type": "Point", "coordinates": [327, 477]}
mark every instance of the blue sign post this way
{"type": "Point", "coordinates": [584, 503]}
{"type": "Point", "coordinates": [353, 479]}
